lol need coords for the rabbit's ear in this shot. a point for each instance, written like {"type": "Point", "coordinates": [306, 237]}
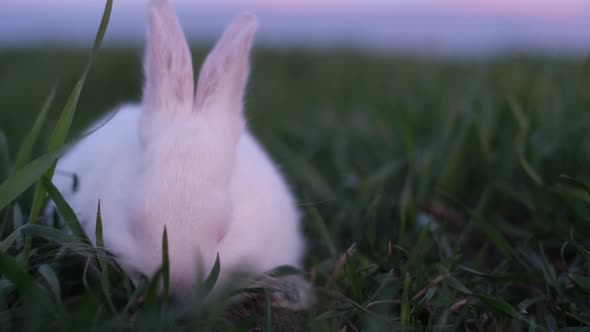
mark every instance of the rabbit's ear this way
{"type": "Point", "coordinates": [169, 85]}
{"type": "Point", "coordinates": [225, 72]}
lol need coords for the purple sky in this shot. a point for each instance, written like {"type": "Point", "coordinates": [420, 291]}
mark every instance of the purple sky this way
{"type": "Point", "coordinates": [444, 26]}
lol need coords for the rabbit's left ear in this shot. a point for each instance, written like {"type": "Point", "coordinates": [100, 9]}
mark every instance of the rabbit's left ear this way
{"type": "Point", "coordinates": [169, 85]}
{"type": "Point", "coordinates": [224, 74]}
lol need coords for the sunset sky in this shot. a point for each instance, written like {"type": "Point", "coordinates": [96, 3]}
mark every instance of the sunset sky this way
{"type": "Point", "coordinates": [443, 25]}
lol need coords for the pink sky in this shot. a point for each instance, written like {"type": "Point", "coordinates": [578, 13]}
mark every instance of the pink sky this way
{"type": "Point", "coordinates": [554, 23]}
{"type": "Point", "coordinates": [553, 9]}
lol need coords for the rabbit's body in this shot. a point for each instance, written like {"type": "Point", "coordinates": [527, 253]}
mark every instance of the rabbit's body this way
{"type": "Point", "coordinates": [186, 163]}
{"type": "Point", "coordinates": [107, 165]}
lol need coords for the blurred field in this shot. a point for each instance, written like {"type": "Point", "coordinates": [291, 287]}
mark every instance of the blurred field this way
{"type": "Point", "coordinates": [447, 175]}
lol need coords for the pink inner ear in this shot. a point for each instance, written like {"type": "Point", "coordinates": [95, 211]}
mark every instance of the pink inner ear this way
{"type": "Point", "coordinates": [225, 72]}
{"type": "Point", "coordinates": [184, 83]}
{"type": "Point", "coordinates": [205, 87]}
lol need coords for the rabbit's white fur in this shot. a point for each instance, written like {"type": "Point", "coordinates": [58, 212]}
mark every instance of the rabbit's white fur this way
{"type": "Point", "coordinates": [186, 161]}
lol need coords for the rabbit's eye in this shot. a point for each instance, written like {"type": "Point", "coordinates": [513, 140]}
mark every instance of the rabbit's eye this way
{"type": "Point", "coordinates": [134, 274]}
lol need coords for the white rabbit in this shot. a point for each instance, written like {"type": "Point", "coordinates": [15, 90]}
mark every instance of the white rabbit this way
{"type": "Point", "coordinates": [186, 161]}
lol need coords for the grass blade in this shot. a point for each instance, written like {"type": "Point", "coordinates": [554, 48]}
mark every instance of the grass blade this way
{"type": "Point", "coordinates": [520, 141]}
{"type": "Point", "coordinates": [104, 23]}
{"type": "Point", "coordinates": [574, 183]}
{"type": "Point", "coordinates": [64, 122]}
{"type": "Point", "coordinates": [34, 296]}
{"type": "Point", "coordinates": [26, 148]}
{"type": "Point", "coordinates": [405, 309]}
{"type": "Point", "coordinates": [321, 227]}
{"type": "Point", "coordinates": [9, 240]}
{"type": "Point", "coordinates": [23, 281]}
{"type": "Point", "coordinates": [405, 207]}
{"type": "Point", "coordinates": [69, 216]}
{"type": "Point", "coordinates": [101, 254]}
{"type": "Point", "coordinates": [139, 289]}
{"type": "Point", "coordinates": [23, 178]}
{"type": "Point", "coordinates": [56, 141]}
{"type": "Point", "coordinates": [152, 292]}
{"type": "Point", "coordinates": [502, 306]}
{"type": "Point", "coordinates": [306, 172]}
{"type": "Point", "coordinates": [52, 280]}
{"type": "Point", "coordinates": [581, 281]}
{"type": "Point", "coordinates": [352, 279]}
{"type": "Point", "coordinates": [207, 286]}
{"type": "Point", "coordinates": [165, 265]}
{"type": "Point", "coordinates": [268, 315]}
{"type": "Point", "coordinates": [53, 235]}
{"type": "Point", "coordinates": [4, 156]}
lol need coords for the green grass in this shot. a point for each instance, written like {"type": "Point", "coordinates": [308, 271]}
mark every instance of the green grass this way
{"type": "Point", "coordinates": [437, 194]}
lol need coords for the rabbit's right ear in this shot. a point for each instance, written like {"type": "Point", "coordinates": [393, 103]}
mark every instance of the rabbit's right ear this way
{"type": "Point", "coordinates": [169, 82]}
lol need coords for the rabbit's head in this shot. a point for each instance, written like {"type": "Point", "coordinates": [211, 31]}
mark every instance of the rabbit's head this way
{"type": "Point", "coordinates": [188, 144]}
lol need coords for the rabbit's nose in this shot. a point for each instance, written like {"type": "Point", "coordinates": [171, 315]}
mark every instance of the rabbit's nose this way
{"type": "Point", "coordinates": [221, 235]}
{"type": "Point", "coordinates": [181, 287]}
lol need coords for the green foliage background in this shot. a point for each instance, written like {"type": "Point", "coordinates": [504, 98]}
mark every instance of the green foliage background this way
{"type": "Point", "coordinates": [437, 193]}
